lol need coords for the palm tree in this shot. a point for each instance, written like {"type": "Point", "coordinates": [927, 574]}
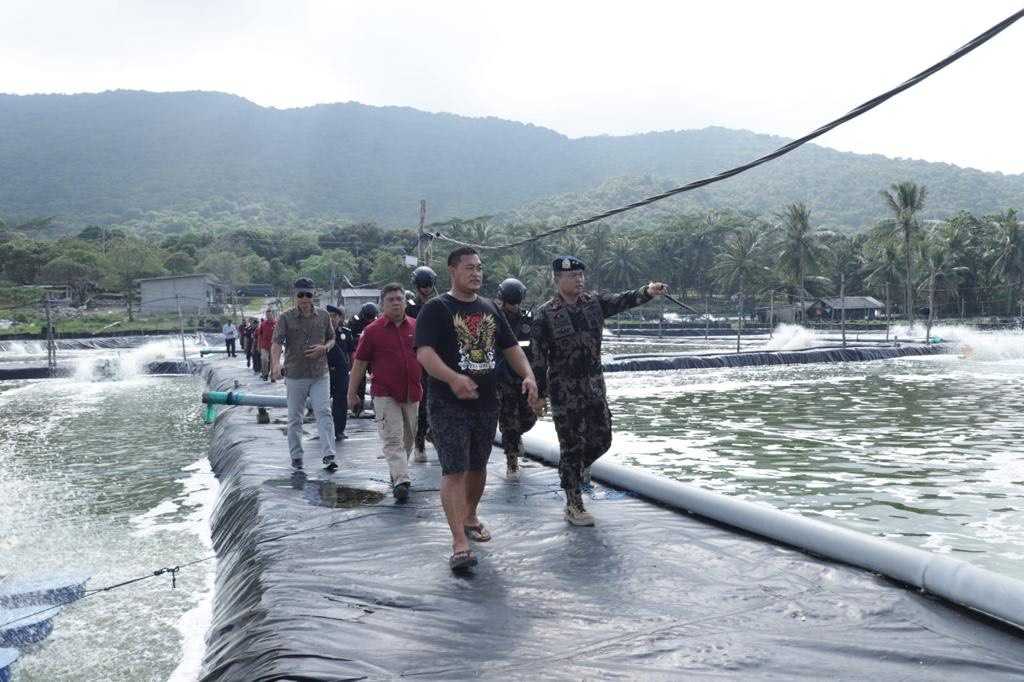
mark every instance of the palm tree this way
{"type": "Point", "coordinates": [905, 200]}
{"type": "Point", "coordinates": [623, 265]}
{"type": "Point", "coordinates": [1009, 255]}
{"type": "Point", "coordinates": [882, 265]}
{"type": "Point", "coordinates": [801, 249]}
{"type": "Point", "coordinates": [939, 265]}
{"type": "Point", "coordinates": [739, 264]}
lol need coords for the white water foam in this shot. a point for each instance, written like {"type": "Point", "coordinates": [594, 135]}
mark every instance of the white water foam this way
{"type": "Point", "coordinates": [129, 364]}
{"type": "Point", "coordinates": [794, 337]}
{"type": "Point", "coordinates": [1006, 344]}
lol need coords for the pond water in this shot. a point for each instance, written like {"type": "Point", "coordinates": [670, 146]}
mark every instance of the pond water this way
{"type": "Point", "coordinates": [110, 478]}
{"type": "Point", "coordinates": [928, 451]}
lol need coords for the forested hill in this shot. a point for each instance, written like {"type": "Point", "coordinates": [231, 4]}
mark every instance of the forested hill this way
{"type": "Point", "coordinates": [180, 159]}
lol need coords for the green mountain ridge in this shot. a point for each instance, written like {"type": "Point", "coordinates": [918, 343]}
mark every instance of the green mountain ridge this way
{"type": "Point", "coordinates": [130, 157]}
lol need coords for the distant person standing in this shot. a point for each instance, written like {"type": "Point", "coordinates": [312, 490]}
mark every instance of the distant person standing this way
{"type": "Point", "coordinates": [306, 335]}
{"type": "Point", "coordinates": [424, 281]}
{"type": "Point", "coordinates": [254, 345]}
{"type": "Point", "coordinates": [516, 415]}
{"type": "Point", "coordinates": [567, 333]}
{"type": "Point", "coordinates": [458, 338]}
{"type": "Point", "coordinates": [230, 333]}
{"type": "Point", "coordinates": [367, 314]}
{"type": "Point", "coordinates": [339, 362]}
{"type": "Point", "coordinates": [247, 332]}
{"type": "Point", "coordinates": [387, 345]}
{"type": "Point", "coordinates": [264, 341]}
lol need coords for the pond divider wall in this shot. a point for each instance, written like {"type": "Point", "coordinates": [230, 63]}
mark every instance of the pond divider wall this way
{"type": "Point", "coordinates": [646, 362]}
{"type": "Point", "coordinates": [990, 593]}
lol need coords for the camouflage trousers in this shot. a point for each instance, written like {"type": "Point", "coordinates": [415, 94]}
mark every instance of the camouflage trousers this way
{"type": "Point", "coordinates": [584, 434]}
{"type": "Point", "coordinates": [515, 417]}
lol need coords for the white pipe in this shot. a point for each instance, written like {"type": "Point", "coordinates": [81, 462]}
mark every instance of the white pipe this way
{"type": "Point", "coordinates": [959, 582]}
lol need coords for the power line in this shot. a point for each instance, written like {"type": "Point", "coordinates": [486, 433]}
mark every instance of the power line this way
{"type": "Point", "coordinates": [781, 151]}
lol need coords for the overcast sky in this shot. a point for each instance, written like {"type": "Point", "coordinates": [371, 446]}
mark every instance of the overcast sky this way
{"type": "Point", "coordinates": [581, 68]}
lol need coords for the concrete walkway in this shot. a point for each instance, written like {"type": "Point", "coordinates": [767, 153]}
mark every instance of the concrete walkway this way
{"type": "Point", "coordinates": [326, 577]}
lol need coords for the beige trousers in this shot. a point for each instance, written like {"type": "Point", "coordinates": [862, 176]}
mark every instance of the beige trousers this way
{"type": "Point", "coordinates": [396, 424]}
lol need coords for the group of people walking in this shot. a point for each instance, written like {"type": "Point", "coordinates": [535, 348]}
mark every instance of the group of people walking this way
{"type": "Point", "coordinates": [255, 336]}
{"type": "Point", "coordinates": [452, 368]}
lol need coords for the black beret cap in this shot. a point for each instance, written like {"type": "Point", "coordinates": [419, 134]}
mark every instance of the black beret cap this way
{"type": "Point", "coordinates": [567, 264]}
{"type": "Point", "coordinates": [334, 309]}
{"type": "Point", "coordinates": [304, 283]}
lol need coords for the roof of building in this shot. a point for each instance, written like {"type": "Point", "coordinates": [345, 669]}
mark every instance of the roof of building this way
{"type": "Point", "coordinates": [208, 276]}
{"type": "Point", "coordinates": [853, 302]}
{"type": "Point", "coordinates": [359, 293]}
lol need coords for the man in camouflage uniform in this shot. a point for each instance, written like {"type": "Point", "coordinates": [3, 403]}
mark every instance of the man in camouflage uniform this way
{"type": "Point", "coordinates": [566, 344]}
{"type": "Point", "coordinates": [515, 416]}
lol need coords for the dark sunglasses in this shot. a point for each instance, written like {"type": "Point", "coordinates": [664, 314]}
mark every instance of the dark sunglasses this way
{"type": "Point", "coordinates": [304, 294]}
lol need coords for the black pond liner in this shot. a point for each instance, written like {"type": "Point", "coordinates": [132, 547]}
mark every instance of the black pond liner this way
{"type": "Point", "coordinates": [309, 592]}
{"type": "Point", "coordinates": [645, 363]}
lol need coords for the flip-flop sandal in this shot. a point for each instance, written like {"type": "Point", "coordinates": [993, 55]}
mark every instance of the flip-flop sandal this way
{"type": "Point", "coordinates": [477, 533]}
{"type": "Point", "coordinates": [461, 561]}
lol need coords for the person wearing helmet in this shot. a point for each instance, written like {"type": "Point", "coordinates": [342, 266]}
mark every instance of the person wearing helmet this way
{"type": "Point", "coordinates": [424, 281]}
{"type": "Point", "coordinates": [367, 314]}
{"type": "Point", "coordinates": [515, 415]}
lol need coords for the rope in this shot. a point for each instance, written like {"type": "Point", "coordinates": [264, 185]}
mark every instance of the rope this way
{"type": "Point", "coordinates": [174, 570]}
{"type": "Point", "coordinates": [781, 151]}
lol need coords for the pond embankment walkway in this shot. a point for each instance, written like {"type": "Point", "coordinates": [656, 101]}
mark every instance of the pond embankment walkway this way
{"type": "Point", "coordinates": [325, 577]}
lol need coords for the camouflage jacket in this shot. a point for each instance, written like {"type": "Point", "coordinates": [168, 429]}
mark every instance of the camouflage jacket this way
{"type": "Point", "coordinates": [567, 346]}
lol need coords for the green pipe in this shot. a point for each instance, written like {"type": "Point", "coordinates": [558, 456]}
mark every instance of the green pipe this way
{"type": "Point", "coordinates": [249, 399]}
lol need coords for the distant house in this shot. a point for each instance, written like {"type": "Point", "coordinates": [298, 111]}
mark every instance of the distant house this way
{"type": "Point", "coordinates": [254, 290]}
{"type": "Point", "coordinates": [784, 312]}
{"type": "Point", "coordinates": [201, 293]}
{"type": "Point", "coordinates": [354, 299]}
{"type": "Point", "coordinates": [856, 307]}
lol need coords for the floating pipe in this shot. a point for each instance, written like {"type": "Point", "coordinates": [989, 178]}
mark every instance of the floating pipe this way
{"type": "Point", "coordinates": [957, 581]}
{"type": "Point", "coordinates": [213, 351]}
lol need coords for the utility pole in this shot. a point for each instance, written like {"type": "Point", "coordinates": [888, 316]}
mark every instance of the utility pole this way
{"type": "Point", "coordinates": [842, 304]}
{"type": "Point", "coordinates": [181, 326]}
{"type": "Point", "coordinates": [887, 318]}
{"type": "Point", "coordinates": [420, 247]}
{"type": "Point", "coordinates": [707, 316]}
{"type": "Point", "coordinates": [51, 343]}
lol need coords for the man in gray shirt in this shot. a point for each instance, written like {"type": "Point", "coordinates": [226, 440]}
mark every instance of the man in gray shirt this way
{"type": "Point", "coordinates": [307, 334]}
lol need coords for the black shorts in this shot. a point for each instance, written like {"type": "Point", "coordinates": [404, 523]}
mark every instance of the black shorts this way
{"type": "Point", "coordinates": [463, 438]}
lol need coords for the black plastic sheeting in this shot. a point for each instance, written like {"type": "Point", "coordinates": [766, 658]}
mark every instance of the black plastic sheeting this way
{"type": "Point", "coordinates": [11, 372]}
{"type": "Point", "coordinates": [753, 358]}
{"type": "Point", "coordinates": [325, 577]}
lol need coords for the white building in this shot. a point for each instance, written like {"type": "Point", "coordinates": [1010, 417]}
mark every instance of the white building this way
{"type": "Point", "coordinates": [202, 293]}
{"type": "Point", "coordinates": [354, 299]}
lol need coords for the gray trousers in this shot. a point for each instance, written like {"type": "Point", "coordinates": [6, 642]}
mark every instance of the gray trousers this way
{"type": "Point", "coordinates": [319, 393]}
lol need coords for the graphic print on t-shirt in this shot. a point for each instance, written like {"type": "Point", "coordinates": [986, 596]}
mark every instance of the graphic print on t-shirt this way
{"type": "Point", "coordinates": [475, 334]}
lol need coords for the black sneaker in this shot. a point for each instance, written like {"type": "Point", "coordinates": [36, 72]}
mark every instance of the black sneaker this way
{"type": "Point", "coordinates": [329, 464]}
{"type": "Point", "coordinates": [297, 463]}
{"type": "Point", "coordinates": [401, 491]}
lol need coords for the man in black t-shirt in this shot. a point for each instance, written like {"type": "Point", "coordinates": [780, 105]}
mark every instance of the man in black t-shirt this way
{"type": "Point", "coordinates": [458, 338]}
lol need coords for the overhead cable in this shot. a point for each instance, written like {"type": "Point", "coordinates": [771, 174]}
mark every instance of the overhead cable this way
{"type": "Point", "coordinates": [781, 151]}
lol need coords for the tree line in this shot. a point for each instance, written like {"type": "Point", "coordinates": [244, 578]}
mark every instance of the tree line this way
{"type": "Point", "coordinates": [965, 265]}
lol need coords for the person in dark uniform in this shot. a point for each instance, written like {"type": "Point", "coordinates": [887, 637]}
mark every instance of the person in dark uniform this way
{"type": "Point", "coordinates": [339, 361]}
{"type": "Point", "coordinates": [367, 314]}
{"type": "Point", "coordinates": [566, 350]}
{"type": "Point", "coordinates": [515, 416]}
{"type": "Point", "coordinates": [424, 280]}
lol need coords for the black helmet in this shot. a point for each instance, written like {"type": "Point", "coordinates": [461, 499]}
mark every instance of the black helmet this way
{"type": "Point", "coordinates": [423, 277]}
{"type": "Point", "coordinates": [512, 291]}
{"type": "Point", "coordinates": [368, 312]}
